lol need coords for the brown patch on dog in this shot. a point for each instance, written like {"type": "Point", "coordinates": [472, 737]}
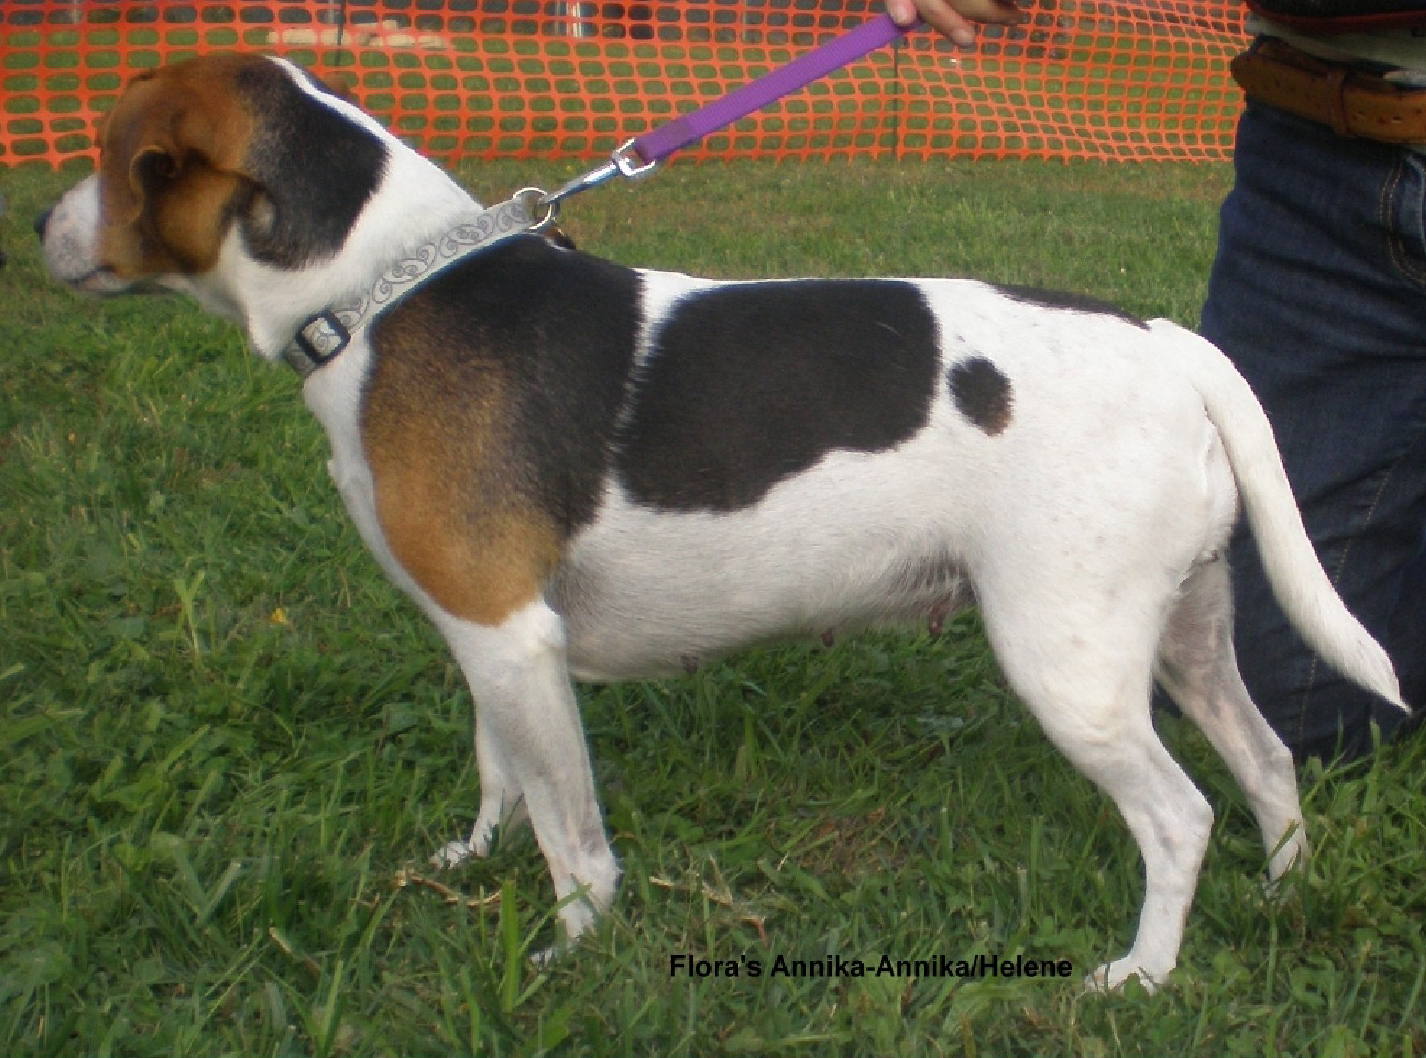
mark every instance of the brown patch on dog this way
{"type": "Point", "coordinates": [450, 497]}
{"type": "Point", "coordinates": [171, 166]}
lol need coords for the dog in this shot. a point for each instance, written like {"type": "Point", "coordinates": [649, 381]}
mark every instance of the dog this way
{"type": "Point", "coordinates": [585, 471]}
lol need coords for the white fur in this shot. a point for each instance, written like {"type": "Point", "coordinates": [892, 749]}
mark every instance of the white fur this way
{"type": "Point", "coordinates": [71, 245]}
{"type": "Point", "coordinates": [1089, 532]}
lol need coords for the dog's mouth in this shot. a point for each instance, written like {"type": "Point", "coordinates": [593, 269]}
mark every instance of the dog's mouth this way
{"type": "Point", "coordinates": [99, 280]}
{"type": "Point", "coordinates": [73, 263]}
{"type": "Point", "coordinates": [69, 236]}
{"type": "Point", "coordinates": [105, 282]}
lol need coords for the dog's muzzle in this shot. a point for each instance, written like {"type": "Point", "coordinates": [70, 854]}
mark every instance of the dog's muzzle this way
{"type": "Point", "coordinates": [69, 234]}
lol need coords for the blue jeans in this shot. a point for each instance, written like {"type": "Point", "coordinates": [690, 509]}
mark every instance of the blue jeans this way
{"type": "Point", "coordinates": [1318, 294]}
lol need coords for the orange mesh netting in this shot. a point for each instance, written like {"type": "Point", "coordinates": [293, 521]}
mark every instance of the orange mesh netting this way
{"type": "Point", "coordinates": [1120, 79]}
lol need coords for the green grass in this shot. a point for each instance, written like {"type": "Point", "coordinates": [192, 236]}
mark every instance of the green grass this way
{"type": "Point", "coordinates": [229, 745]}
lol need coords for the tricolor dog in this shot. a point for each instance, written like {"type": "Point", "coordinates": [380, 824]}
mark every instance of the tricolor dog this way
{"type": "Point", "coordinates": [583, 471]}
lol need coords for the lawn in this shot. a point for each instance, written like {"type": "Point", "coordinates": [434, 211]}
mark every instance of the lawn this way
{"type": "Point", "coordinates": [230, 745]}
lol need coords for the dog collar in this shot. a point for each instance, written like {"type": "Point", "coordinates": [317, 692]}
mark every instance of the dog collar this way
{"type": "Point", "coordinates": [321, 339]}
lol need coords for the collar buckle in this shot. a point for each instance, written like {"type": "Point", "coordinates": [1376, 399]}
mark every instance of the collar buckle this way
{"type": "Point", "coordinates": [318, 342]}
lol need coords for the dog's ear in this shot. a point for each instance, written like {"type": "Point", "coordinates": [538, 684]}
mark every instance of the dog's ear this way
{"type": "Point", "coordinates": [165, 122]}
{"type": "Point", "coordinates": [172, 156]}
{"type": "Point", "coordinates": [193, 150]}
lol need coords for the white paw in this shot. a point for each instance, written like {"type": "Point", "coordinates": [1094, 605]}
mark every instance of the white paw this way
{"type": "Point", "coordinates": [1112, 975]}
{"type": "Point", "coordinates": [1274, 891]}
{"type": "Point", "coordinates": [482, 838]}
{"type": "Point", "coordinates": [1290, 855]}
{"type": "Point", "coordinates": [452, 854]}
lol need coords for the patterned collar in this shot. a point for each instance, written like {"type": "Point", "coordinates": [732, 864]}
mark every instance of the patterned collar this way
{"type": "Point", "coordinates": [321, 339]}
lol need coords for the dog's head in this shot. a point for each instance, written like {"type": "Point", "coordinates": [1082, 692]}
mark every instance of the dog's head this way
{"type": "Point", "coordinates": [220, 151]}
{"type": "Point", "coordinates": [225, 175]}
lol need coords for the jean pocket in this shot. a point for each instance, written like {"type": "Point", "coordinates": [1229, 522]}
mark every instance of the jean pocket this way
{"type": "Point", "coordinates": [1403, 216]}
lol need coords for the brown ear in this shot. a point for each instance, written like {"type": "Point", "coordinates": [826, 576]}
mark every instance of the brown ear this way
{"type": "Point", "coordinates": [173, 133]}
{"type": "Point", "coordinates": [192, 149]}
{"type": "Point", "coordinates": [174, 117]}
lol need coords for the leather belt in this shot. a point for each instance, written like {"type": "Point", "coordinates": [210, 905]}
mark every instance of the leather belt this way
{"type": "Point", "coordinates": [1349, 102]}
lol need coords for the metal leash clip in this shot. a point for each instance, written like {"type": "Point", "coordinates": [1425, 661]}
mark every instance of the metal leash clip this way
{"type": "Point", "coordinates": [625, 161]}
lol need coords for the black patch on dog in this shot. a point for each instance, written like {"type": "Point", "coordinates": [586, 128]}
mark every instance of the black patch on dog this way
{"type": "Point", "coordinates": [553, 331]}
{"type": "Point", "coordinates": [315, 171]}
{"type": "Point", "coordinates": [749, 384]}
{"type": "Point", "coordinates": [982, 394]}
{"type": "Point", "coordinates": [1058, 299]}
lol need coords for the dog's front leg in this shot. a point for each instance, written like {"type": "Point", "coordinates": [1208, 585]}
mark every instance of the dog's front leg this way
{"type": "Point", "coordinates": [502, 805]}
{"type": "Point", "coordinates": [529, 734]}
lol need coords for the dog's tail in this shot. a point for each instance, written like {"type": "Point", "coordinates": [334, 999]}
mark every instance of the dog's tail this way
{"type": "Point", "coordinates": [1293, 568]}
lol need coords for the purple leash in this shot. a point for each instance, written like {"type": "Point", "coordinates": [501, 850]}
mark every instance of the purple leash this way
{"type": "Point", "coordinates": [642, 153]}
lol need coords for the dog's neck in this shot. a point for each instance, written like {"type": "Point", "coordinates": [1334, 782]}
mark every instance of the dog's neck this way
{"type": "Point", "coordinates": [415, 203]}
{"type": "Point", "coordinates": [325, 336]}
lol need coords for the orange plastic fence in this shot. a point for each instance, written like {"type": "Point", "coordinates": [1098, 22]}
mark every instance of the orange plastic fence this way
{"type": "Point", "coordinates": [1111, 79]}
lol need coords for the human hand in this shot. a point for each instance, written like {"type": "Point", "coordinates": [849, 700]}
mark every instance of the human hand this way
{"type": "Point", "coordinates": [954, 18]}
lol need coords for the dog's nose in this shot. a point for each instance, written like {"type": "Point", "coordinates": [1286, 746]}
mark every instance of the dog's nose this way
{"type": "Point", "coordinates": [42, 222]}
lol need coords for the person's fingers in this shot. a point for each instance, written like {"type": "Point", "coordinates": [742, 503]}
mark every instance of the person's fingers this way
{"type": "Point", "coordinates": [954, 18]}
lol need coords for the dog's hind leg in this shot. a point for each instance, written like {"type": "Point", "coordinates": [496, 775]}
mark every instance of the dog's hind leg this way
{"type": "Point", "coordinates": [1084, 671]}
{"type": "Point", "coordinates": [1199, 669]}
{"type": "Point", "coordinates": [528, 722]}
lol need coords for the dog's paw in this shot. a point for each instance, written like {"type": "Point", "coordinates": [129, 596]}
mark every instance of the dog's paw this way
{"type": "Point", "coordinates": [1113, 976]}
{"type": "Point", "coordinates": [452, 854]}
{"type": "Point", "coordinates": [1275, 892]}
{"type": "Point", "coordinates": [1289, 857]}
